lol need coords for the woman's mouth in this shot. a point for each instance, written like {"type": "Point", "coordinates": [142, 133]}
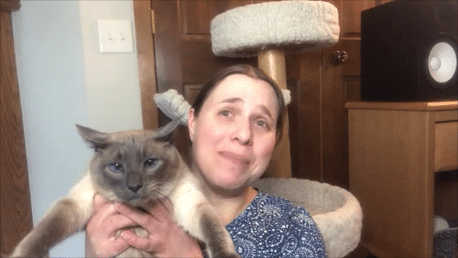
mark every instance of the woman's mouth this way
{"type": "Point", "coordinates": [234, 158]}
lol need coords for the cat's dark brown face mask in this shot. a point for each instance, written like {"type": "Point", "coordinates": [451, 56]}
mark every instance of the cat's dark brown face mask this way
{"type": "Point", "coordinates": [133, 166]}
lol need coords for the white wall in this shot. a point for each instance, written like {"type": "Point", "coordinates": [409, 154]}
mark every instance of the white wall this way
{"type": "Point", "coordinates": [64, 80]}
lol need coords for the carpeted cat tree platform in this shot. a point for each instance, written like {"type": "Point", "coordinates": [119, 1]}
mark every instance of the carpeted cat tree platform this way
{"type": "Point", "coordinates": [269, 30]}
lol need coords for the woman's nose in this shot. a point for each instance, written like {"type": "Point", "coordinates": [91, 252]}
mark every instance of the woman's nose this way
{"type": "Point", "coordinates": [243, 133]}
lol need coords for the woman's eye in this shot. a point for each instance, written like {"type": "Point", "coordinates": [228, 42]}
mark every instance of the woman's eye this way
{"type": "Point", "coordinates": [262, 124]}
{"type": "Point", "coordinates": [116, 167]}
{"type": "Point", "coordinates": [225, 113]}
{"type": "Point", "coordinates": [151, 163]}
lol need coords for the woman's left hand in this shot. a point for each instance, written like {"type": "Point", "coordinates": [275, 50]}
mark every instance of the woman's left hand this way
{"type": "Point", "coordinates": [165, 238]}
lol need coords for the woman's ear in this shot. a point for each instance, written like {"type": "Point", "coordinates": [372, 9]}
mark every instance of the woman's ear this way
{"type": "Point", "coordinates": [191, 124]}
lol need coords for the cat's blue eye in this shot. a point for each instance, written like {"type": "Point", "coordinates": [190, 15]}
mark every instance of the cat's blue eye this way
{"type": "Point", "coordinates": [116, 167]}
{"type": "Point", "coordinates": [151, 163]}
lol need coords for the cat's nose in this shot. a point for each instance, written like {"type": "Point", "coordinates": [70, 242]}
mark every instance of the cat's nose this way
{"type": "Point", "coordinates": [134, 182]}
{"type": "Point", "coordinates": [135, 188]}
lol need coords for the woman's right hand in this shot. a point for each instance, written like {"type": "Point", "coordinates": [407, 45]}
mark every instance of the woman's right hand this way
{"type": "Point", "coordinates": [165, 238]}
{"type": "Point", "coordinates": [101, 238]}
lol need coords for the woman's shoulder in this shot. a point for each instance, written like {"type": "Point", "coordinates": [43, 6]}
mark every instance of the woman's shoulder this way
{"type": "Point", "coordinates": [269, 218]}
{"type": "Point", "coordinates": [275, 211]}
{"type": "Point", "coordinates": [266, 205]}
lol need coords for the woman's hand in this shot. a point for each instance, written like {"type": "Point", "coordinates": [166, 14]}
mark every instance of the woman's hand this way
{"type": "Point", "coordinates": [101, 238]}
{"type": "Point", "coordinates": [164, 237]}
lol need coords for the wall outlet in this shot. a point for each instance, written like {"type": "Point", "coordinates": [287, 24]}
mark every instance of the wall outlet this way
{"type": "Point", "coordinates": [115, 36]}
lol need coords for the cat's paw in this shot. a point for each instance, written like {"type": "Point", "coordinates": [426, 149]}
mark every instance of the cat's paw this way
{"type": "Point", "coordinates": [20, 252]}
{"type": "Point", "coordinates": [227, 255]}
{"type": "Point", "coordinates": [233, 255]}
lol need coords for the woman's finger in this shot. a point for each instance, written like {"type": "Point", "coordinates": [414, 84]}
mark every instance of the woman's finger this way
{"type": "Point", "coordinates": [137, 216]}
{"type": "Point", "coordinates": [99, 202]}
{"type": "Point", "coordinates": [145, 244]}
{"type": "Point", "coordinates": [161, 211]}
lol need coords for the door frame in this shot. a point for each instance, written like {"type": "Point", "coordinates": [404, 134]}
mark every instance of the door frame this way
{"type": "Point", "coordinates": [146, 62]}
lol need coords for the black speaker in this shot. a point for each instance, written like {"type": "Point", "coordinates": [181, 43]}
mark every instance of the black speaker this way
{"type": "Point", "coordinates": [409, 51]}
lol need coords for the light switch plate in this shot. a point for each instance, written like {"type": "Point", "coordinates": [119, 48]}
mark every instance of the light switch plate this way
{"type": "Point", "coordinates": [115, 36]}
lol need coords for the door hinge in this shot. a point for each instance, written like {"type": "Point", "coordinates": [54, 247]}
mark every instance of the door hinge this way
{"type": "Point", "coordinates": [153, 23]}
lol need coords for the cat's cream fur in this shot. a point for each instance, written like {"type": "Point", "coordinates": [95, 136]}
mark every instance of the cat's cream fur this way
{"type": "Point", "coordinates": [169, 177]}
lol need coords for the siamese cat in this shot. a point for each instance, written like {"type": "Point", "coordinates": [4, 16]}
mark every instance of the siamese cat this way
{"type": "Point", "coordinates": [132, 167]}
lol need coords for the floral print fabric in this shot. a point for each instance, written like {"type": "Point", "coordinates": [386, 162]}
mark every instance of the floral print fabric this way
{"type": "Point", "coordinates": [274, 227]}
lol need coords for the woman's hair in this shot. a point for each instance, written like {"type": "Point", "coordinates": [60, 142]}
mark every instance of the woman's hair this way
{"type": "Point", "coordinates": [249, 71]}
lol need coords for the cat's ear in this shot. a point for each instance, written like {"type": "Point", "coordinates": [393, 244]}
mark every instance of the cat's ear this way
{"type": "Point", "coordinates": [96, 140]}
{"type": "Point", "coordinates": [164, 133]}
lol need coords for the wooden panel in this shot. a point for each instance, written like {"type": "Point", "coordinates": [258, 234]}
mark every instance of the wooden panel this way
{"type": "Point", "coordinates": [198, 14]}
{"type": "Point", "coordinates": [294, 128]}
{"type": "Point", "coordinates": [306, 140]}
{"type": "Point", "coordinates": [191, 91]}
{"type": "Point", "coordinates": [446, 150]}
{"type": "Point", "coordinates": [15, 207]}
{"type": "Point", "coordinates": [446, 116]}
{"type": "Point", "coordinates": [341, 84]}
{"type": "Point", "coordinates": [146, 68]}
{"type": "Point", "coordinates": [167, 46]}
{"type": "Point", "coordinates": [391, 175]}
{"type": "Point", "coordinates": [181, 135]}
{"type": "Point", "coordinates": [350, 15]}
{"type": "Point", "coordinates": [197, 50]}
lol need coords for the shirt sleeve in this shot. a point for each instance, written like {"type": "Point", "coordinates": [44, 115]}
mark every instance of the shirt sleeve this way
{"type": "Point", "coordinates": [303, 238]}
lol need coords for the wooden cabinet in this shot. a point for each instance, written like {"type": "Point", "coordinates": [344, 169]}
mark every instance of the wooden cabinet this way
{"type": "Point", "coordinates": [394, 151]}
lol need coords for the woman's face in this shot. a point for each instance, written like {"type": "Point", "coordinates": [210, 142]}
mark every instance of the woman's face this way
{"type": "Point", "coordinates": [234, 134]}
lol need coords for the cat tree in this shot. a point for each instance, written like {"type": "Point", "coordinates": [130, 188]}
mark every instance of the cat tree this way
{"type": "Point", "coordinates": [269, 30]}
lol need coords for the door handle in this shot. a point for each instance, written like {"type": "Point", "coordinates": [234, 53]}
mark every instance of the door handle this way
{"type": "Point", "coordinates": [339, 57]}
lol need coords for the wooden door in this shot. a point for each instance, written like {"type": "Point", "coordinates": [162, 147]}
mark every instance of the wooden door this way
{"type": "Point", "coordinates": [15, 206]}
{"type": "Point", "coordinates": [318, 129]}
{"type": "Point", "coordinates": [184, 59]}
{"type": "Point", "coordinates": [318, 119]}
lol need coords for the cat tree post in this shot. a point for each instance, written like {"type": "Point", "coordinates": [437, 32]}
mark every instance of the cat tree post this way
{"type": "Point", "coordinates": [272, 62]}
{"type": "Point", "coordinates": [269, 30]}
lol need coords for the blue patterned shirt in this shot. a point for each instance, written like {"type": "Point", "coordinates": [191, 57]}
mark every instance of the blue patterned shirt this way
{"type": "Point", "coordinates": [274, 227]}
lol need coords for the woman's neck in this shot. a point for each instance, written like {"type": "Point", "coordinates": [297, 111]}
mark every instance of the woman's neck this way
{"type": "Point", "coordinates": [228, 208]}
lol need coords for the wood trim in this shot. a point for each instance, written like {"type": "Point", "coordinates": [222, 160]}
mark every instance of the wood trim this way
{"type": "Point", "coordinates": [15, 205]}
{"type": "Point", "coordinates": [419, 106]}
{"type": "Point", "coordinates": [146, 62]}
{"type": "Point", "coordinates": [446, 116]}
{"type": "Point", "coordinates": [446, 149]}
{"type": "Point", "coordinates": [10, 5]}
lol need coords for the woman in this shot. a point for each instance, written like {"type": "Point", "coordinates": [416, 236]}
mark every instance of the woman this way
{"type": "Point", "coordinates": [233, 125]}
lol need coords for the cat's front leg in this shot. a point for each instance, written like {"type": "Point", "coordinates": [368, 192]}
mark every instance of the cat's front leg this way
{"type": "Point", "coordinates": [66, 217]}
{"type": "Point", "coordinates": [60, 222]}
{"type": "Point", "coordinates": [214, 234]}
{"type": "Point", "coordinates": [199, 218]}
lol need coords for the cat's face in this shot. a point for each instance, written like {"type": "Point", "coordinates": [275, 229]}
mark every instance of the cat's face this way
{"type": "Point", "coordinates": [132, 167]}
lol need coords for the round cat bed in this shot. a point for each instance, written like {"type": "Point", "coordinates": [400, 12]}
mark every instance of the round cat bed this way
{"type": "Point", "coordinates": [289, 25]}
{"type": "Point", "coordinates": [336, 211]}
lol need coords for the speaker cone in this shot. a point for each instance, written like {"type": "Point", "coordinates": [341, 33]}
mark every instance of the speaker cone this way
{"type": "Point", "coordinates": [442, 62]}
